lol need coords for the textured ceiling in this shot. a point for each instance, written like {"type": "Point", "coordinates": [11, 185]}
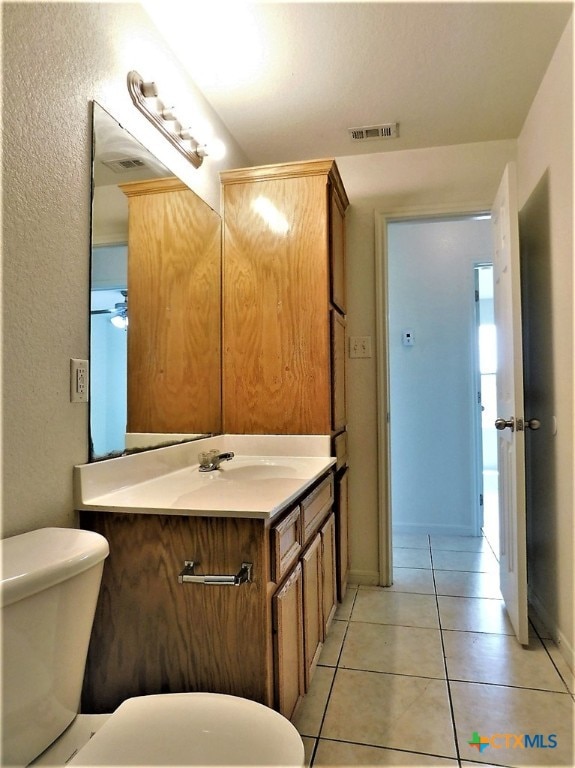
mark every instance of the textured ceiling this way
{"type": "Point", "coordinates": [289, 79]}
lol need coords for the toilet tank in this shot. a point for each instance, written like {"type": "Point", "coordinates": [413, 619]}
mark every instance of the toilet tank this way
{"type": "Point", "coordinates": [48, 594]}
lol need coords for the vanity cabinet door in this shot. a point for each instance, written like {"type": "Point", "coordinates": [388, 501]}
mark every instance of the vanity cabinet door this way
{"type": "Point", "coordinates": [328, 572]}
{"type": "Point", "coordinates": [287, 607]}
{"type": "Point", "coordinates": [337, 249]}
{"type": "Point", "coordinates": [338, 411]}
{"type": "Point", "coordinates": [341, 523]}
{"type": "Point", "coordinates": [312, 606]}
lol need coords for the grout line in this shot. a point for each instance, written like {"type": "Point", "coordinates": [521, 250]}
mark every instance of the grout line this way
{"type": "Point", "coordinates": [542, 641]}
{"type": "Point", "coordinates": [393, 749]}
{"type": "Point", "coordinates": [336, 668]}
{"type": "Point", "coordinates": [447, 681]}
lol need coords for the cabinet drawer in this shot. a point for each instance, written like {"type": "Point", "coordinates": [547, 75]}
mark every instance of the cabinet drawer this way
{"type": "Point", "coordinates": [285, 544]}
{"type": "Point", "coordinates": [315, 506]}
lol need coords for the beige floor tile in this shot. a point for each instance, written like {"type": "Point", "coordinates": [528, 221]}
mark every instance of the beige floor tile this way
{"type": "Point", "coordinates": [411, 558]}
{"type": "Point", "coordinates": [393, 711]}
{"type": "Point", "coordinates": [309, 746]}
{"type": "Point", "coordinates": [467, 764]}
{"type": "Point", "coordinates": [341, 753]}
{"type": "Point", "coordinates": [343, 611]}
{"type": "Point", "coordinates": [418, 580]}
{"type": "Point", "coordinates": [460, 543]}
{"type": "Point", "coordinates": [467, 584]}
{"type": "Point", "coordinates": [492, 709]}
{"type": "Point", "coordinates": [499, 659]}
{"type": "Point", "coordinates": [444, 560]}
{"type": "Point", "coordinates": [541, 629]}
{"type": "Point", "coordinates": [384, 607]}
{"type": "Point", "coordinates": [562, 666]}
{"type": "Point", "coordinates": [333, 643]}
{"type": "Point", "coordinates": [413, 540]}
{"type": "Point", "coordinates": [473, 614]}
{"type": "Point", "coordinates": [309, 715]}
{"type": "Point", "coordinates": [389, 648]}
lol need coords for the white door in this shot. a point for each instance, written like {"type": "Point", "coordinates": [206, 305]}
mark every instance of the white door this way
{"type": "Point", "coordinates": [510, 422]}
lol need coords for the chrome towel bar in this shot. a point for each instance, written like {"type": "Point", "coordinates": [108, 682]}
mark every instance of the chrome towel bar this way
{"type": "Point", "coordinates": [187, 576]}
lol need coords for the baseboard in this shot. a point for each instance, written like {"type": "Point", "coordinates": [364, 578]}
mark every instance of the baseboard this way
{"type": "Point", "coordinates": [563, 644]}
{"type": "Point", "coordinates": [435, 530]}
{"type": "Point", "coordinates": [367, 578]}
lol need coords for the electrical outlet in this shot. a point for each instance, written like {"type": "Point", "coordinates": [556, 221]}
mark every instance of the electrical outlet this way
{"type": "Point", "coordinates": [78, 381]}
{"type": "Point", "coordinates": [360, 346]}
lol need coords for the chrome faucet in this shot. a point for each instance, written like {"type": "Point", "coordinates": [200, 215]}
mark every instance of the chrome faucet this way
{"type": "Point", "coordinates": [210, 460]}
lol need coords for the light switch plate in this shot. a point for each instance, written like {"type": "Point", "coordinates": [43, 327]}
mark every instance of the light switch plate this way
{"type": "Point", "coordinates": [360, 346]}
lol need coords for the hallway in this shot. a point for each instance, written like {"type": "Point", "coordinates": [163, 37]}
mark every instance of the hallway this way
{"type": "Point", "coordinates": [412, 673]}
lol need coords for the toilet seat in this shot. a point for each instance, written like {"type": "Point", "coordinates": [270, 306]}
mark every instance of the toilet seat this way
{"type": "Point", "coordinates": [196, 729]}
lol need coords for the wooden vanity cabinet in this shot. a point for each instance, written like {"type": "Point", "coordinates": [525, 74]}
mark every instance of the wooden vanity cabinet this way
{"type": "Point", "coordinates": [259, 640]}
{"type": "Point", "coordinates": [284, 299]}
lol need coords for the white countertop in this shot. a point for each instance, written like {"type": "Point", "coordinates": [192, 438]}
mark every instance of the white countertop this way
{"type": "Point", "coordinates": [167, 481]}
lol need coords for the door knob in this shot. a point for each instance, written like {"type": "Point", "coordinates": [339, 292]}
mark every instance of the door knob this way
{"type": "Point", "coordinates": [503, 423]}
{"type": "Point", "coordinates": [532, 423]}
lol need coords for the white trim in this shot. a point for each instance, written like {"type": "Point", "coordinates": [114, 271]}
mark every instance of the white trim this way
{"type": "Point", "coordinates": [565, 648]}
{"type": "Point", "coordinates": [382, 219]}
{"type": "Point", "coordinates": [365, 578]}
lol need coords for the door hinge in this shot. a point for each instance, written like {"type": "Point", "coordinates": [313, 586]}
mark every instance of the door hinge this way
{"type": "Point", "coordinates": [476, 295]}
{"type": "Point", "coordinates": [480, 499]}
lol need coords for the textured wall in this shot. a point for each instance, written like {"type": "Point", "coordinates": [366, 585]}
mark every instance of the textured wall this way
{"type": "Point", "coordinates": [412, 181]}
{"type": "Point", "coordinates": [545, 189]}
{"type": "Point", "coordinates": [57, 57]}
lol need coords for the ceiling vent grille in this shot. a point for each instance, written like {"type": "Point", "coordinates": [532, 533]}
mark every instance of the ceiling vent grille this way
{"type": "Point", "coordinates": [386, 131]}
{"type": "Point", "coordinates": [125, 164]}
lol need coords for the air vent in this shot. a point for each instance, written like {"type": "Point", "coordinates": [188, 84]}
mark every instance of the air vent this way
{"type": "Point", "coordinates": [125, 164]}
{"type": "Point", "coordinates": [386, 131]}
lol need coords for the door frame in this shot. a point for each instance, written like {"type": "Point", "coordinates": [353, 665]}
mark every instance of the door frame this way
{"type": "Point", "coordinates": [382, 219]}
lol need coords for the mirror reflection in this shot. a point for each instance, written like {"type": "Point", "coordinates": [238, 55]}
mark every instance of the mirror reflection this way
{"type": "Point", "coordinates": [155, 301]}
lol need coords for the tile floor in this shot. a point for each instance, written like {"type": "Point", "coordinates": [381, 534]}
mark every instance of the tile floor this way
{"type": "Point", "coordinates": [411, 672]}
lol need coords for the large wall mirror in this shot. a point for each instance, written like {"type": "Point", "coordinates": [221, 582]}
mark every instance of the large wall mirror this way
{"type": "Point", "coordinates": [155, 330]}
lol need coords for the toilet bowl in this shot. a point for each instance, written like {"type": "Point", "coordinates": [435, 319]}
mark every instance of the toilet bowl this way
{"type": "Point", "coordinates": [48, 592]}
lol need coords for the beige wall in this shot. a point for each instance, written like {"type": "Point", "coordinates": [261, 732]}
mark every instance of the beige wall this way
{"type": "Point", "coordinates": [56, 59]}
{"type": "Point", "coordinates": [545, 188]}
{"type": "Point", "coordinates": [444, 179]}
{"type": "Point", "coordinates": [463, 177]}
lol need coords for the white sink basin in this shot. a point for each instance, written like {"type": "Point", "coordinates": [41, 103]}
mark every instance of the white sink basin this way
{"type": "Point", "coordinates": [245, 486]}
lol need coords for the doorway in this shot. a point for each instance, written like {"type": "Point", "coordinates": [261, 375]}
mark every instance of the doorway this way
{"type": "Point", "coordinates": [487, 397]}
{"type": "Point", "coordinates": [435, 473]}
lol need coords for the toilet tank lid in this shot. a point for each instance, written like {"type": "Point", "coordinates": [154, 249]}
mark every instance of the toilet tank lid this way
{"type": "Point", "coordinates": [40, 559]}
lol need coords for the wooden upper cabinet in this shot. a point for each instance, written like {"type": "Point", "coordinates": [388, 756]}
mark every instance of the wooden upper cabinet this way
{"type": "Point", "coordinates": [337, 204]}
{"type": "Point", "coordinates": [174, 287]}
{"type": "Point", "coordinates": [278, 286]}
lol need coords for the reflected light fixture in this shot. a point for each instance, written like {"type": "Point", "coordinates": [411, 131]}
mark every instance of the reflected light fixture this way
{"type": "Point", "coordinates": [146, 100]}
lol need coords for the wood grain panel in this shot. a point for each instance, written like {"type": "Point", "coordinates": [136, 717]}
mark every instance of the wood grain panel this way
{"type": "Point", "coordinates": [275, 296]}
{"type": "Point", "coordinates": [312, 607]}
{"type": "Point", "coordinates": [174, 285]}
{"type": "Point", "coordinates": [154, 635]}
{"type": "Point", "coordinates": [337, 251]}
{"type": "Point", "coordinates": [286, 538]}
{"type": "Point", "coordinates": [339, 418]}
{"type": "Point", "coordinates": [315, 506]}
{"type": "Point", "coordinates": [288, 644]}
{"type": "Point", "coordinates": [328, 564]}
{"type": "Point", "coordinates": [342, 533]}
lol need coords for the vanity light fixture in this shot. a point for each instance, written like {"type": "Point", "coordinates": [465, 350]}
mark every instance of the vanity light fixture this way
{"type": "Point", "coordinates": [165, 120]}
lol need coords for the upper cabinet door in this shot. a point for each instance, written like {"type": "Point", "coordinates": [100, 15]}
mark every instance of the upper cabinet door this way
{"type": "Point", "coordinates": [337, 250]}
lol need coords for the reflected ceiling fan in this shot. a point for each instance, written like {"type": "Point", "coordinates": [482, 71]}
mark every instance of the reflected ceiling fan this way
{"type": "Point", "coordinates": [119, 315]}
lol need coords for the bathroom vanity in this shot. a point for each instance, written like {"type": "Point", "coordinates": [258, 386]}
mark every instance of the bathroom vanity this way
{"type": "Point", "coordinates": [268, 521]}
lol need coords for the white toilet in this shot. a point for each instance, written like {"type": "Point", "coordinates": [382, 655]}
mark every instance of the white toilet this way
{"type": "Point", "coordinates": [49, 588]}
